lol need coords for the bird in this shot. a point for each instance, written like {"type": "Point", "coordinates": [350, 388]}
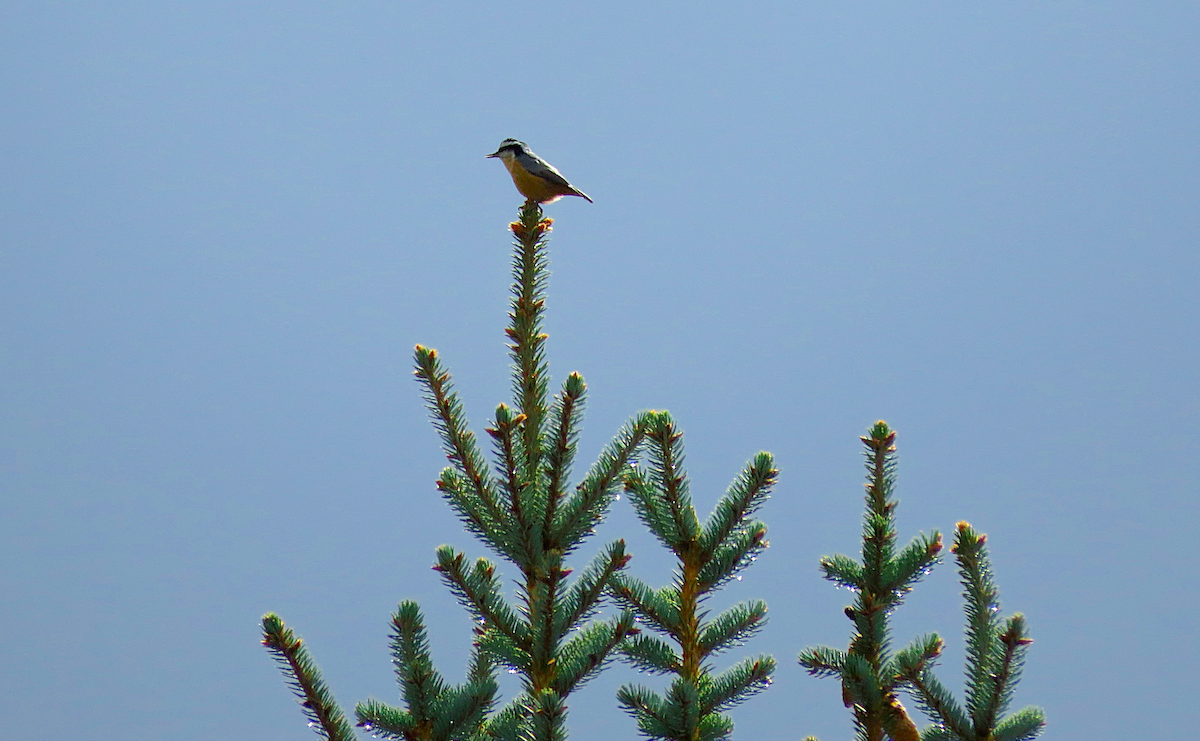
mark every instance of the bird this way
{"type": "Point", "coordinates": [535, 178]}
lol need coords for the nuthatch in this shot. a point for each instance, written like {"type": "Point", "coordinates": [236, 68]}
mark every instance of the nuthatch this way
{"type": "Point", "coordinates": [534, 177]}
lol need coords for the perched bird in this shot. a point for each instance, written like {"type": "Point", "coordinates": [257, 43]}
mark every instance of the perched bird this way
{"type": "Point", "coordinates": [534, 177]}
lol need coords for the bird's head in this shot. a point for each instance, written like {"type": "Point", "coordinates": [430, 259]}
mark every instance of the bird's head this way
{"type": "Point", "coordinates": [509, 148]}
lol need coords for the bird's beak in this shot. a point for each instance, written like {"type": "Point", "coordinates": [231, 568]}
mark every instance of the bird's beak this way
{"type": "Point", "coordinates": [494, 154]}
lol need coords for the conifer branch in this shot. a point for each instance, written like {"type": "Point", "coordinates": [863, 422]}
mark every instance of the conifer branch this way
{"type": "Point", "coordinates": [981, 607]}
{"type": "Point", "coordinates": [670, 483]}
{"type": "Point", "coordinates": [474, 514]}
{"type": "Point", "coordinates": [527, 516]}
{"type": "Point", "coordinates": [995, 655]}
{"type": "Point", "coordinates": [567, 412]}
{"type": "Point", "coordinates": [444, 404]}
{"type": "Point", "coordinates": [1015, 640]}
{"type": "Point", "coordinates": [694, 704]}
{"type": "Point", "coordinates": [435, 711]}
{"type": "Point", "coordinates": [843, 571]}
{"type": "Point", "coordinates": [479, 591]}
{"type": "Point", "coordinates": [583, 597]}
{"type": "Point", "coordinates": [582, 657]}
{"type": "Point", "coordinates": [823, 661]}
{"type": "Point", "coordinates": [651, 655]}
{"type": "Point", "coordinates": [651, 510]}
{"type": "Point", "coordinates": [714, 726]}
{"type": "Point", "coordinates": [466, 485]}
{"type": "Point", "coordinates": [586, 506]}
{"type": "Point", "coordinates": [387, 721]}
{"type": "Point", "coordinates": [302, 675]}
{"type": "Point", "coordinates": [504, 650]}
{"type": "Point", "coordinates": [1022, 725]}
{"type": "Point", "coordinates": [737, 684]}
{"type": "Point", "coordinates": [524, 510]}
{"type": "Point", "coordinates": [939, 703]}
{"type": "Point", "coordinates": [508, 723]}
{"type": "Point", "coordinates": [509, 465]}
{"type": "Point", "coordinates": [733, 627]}
{"type": "Point", "coordinates": [908, 566]}
{"type": "Point", "coordinates": [745, 496]}
{"type": "Point", "coordinates": [548, 715]}
{"type": "Point", "coordinates": [461, 710]}
{"type": "Point", "coordinates": [420, 683]}
{"type": "Point", "coordinates": [660, 609]}
{"type": "Point", "coordinates": [649, 709]}
{"type": "Point", "coordinates": [730, 557]}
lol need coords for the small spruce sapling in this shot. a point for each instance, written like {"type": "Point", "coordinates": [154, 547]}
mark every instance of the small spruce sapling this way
{"type": "Point", "coordinates": [709, 556]}
{"type": "Point", "coordinates": [871, 677]}
{"type": "Point", "coordinates": [868, 671]}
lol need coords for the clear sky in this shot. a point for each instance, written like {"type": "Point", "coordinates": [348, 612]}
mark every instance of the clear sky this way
{"type": "Point", "coordinates": [223, 226]}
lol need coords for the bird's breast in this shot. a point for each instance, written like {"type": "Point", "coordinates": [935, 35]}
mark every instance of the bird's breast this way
{"type": "Point", "coordinates": [530, 185]}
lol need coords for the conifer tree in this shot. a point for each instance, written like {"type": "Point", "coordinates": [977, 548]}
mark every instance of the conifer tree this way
{"type": "Point", "coordinates": [868, 670]}
{"type": "Point", "coordinates": [709, 556]}
{"type": "Point", "coordinates": [871, 676]}
{"type": "Point", "coordinates": [527, 514]}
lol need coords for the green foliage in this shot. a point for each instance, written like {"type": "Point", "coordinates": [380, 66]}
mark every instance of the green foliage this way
{"type": "Point", "coordinates": [522, 507]}
{"type": "Point", "coordinates": [881, 580]}
{"type": "Point", "coordinates": [436, 712]}
{"type": "Point", "coordinates": [524, 510]}
{"type": "Point", "coordinates": [995, 655]}
{"type": "Point", "coordinates": [694, 704]}
{"type": "Point", "coordinates": [871, 675]}
{"type": "Point", "coordinates": [526, 513]}
{"type": "Point", "coordinates": [322, 711]}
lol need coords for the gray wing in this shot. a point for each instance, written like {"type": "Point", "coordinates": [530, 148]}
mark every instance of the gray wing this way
{"type": "Point", "coordinates": [540, 167]}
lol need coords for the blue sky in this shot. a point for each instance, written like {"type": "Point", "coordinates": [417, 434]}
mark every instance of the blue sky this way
{"type": "Point", "coordinates": [223, 228]}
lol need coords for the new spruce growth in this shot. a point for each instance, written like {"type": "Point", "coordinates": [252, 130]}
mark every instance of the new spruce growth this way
{"type": "Point", "coordinates": [525, 511]}
{"type": "Point", "coordinates": [870, 674]}
{"type": "Point", "coordinates": [708, 556]}
{"type": "Point", "coordinates": [995, 654]}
